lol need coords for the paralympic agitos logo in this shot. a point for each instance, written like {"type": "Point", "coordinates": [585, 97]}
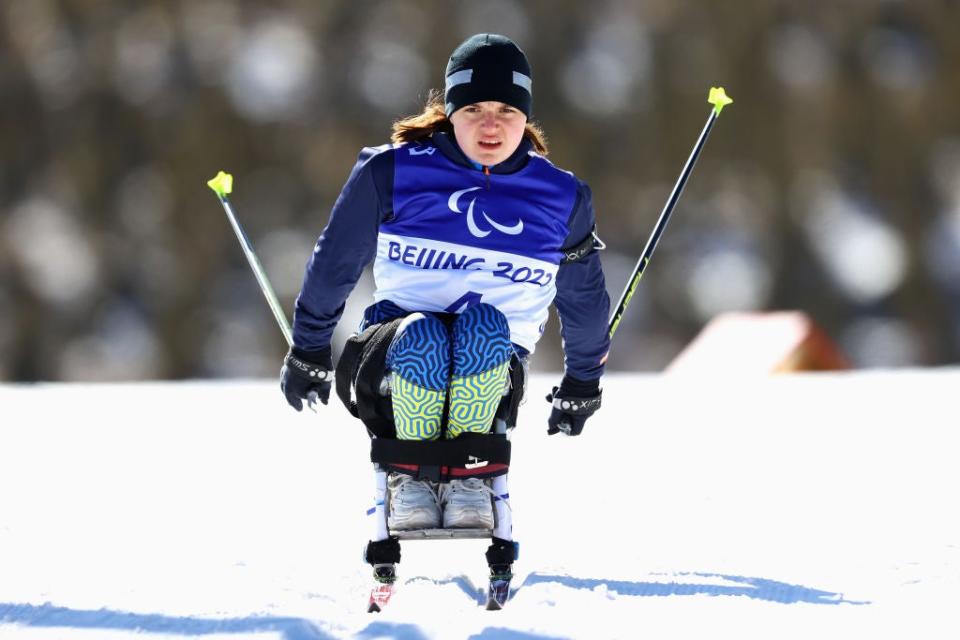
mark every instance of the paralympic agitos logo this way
{"type": "Point", "coordinates": [472, 226]}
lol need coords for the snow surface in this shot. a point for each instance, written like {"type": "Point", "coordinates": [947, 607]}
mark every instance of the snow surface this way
{"type": "Point", "coordinates": [795, 506]}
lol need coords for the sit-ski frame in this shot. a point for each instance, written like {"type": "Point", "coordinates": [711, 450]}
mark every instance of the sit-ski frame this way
{"type": "Point", "coordinates": [503, 523]}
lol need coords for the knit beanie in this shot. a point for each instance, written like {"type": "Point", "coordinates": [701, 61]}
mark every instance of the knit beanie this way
{"type": "Point", "coordinates": [485, 67]}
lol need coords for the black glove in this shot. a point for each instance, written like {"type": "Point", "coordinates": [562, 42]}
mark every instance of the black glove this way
{"type": "Point", "coordinates": [306, 375]}
{"type": "Point", "coordinates": [573, 402]}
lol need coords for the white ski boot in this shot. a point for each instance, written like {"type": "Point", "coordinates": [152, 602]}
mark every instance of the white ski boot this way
{"type": "Point", "coordinates": [467, 504]}
{"type": "Point", "coordinates": [413, 504]}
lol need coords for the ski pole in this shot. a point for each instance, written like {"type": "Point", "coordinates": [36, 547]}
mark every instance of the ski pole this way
{"type": "Point", "coordinates": [222, 185]}
{"type": "Point", "coordinates": [718, 98]}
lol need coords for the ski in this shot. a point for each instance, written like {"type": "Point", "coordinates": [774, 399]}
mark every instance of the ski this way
{"type": "Point", "coordinates": [385, 576]}
{"type": "Point", "coordinates": [498, 591]}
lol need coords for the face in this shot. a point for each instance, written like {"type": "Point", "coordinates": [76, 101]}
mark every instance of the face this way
{"type": "Point", "coordinates": [488, 132]}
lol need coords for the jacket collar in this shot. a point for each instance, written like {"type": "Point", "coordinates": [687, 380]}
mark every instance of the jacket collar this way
{"type": "Point", "coordinates": [448, 146]}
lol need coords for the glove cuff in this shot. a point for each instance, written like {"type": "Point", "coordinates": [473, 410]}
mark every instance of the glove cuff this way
{"type": "Point", "coordinates": [308, 370]}
{"type": "Point", "coordinates": [572, 387]}
{"type": "Point", "coordinates": [320, 357]}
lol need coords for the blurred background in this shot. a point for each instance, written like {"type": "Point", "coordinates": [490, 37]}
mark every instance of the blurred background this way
{"type": "Point", "coordinates": [831, 186]}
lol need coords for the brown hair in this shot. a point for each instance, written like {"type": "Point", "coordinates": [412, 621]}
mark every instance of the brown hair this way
{"type": "Point", "coordinates": [433, 118]}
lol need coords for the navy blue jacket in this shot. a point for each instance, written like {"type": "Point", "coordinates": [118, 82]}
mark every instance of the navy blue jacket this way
{"type": "Point", "coordinates": [349, 243]}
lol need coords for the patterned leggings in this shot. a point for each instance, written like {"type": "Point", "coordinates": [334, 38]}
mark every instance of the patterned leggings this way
{"type": "Point", "coordinates": [469, 362]}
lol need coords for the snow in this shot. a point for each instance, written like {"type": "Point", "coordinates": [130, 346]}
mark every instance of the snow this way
{"type": "Point", "coordinates": [793, 506]}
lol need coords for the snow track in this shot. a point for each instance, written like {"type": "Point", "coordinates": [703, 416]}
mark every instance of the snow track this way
{"type": "Point", "coordinates": [792, 506]}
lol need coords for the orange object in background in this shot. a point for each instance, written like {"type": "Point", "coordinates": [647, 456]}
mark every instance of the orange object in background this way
{"type": "Point", "coordinates": [768, 342]}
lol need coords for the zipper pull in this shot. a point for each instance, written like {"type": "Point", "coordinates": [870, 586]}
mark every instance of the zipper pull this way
{"type": "Point", "coordinates": [486, 172]}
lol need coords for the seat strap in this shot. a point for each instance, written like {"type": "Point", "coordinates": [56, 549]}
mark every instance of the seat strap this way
{"type": "Point", "coordinates": [469, 451]}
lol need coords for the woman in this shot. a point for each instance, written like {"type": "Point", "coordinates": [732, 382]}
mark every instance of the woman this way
{"type": "Point", "coordinates": [474, 234]}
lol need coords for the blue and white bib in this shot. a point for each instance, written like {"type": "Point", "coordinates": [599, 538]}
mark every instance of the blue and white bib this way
{"type": "Point", "coordinates": [458, 237]}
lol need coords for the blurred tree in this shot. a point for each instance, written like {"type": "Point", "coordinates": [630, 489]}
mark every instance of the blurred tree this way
{"type": "Point", "coordinates": [827, 188]}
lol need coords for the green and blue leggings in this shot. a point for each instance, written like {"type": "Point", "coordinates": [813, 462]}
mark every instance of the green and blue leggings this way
{"type": "Point", "coordinates": [463, 368]}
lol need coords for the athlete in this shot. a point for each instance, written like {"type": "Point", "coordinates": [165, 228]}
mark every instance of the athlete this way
{"type": "Point", "coordinates": [473, 234]}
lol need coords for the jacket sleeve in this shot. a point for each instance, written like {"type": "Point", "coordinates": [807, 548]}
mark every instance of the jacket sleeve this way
{"type": "Point", "coordinates": [344, 249]}
{"type": "Point", "coordinates": [582, 302]}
